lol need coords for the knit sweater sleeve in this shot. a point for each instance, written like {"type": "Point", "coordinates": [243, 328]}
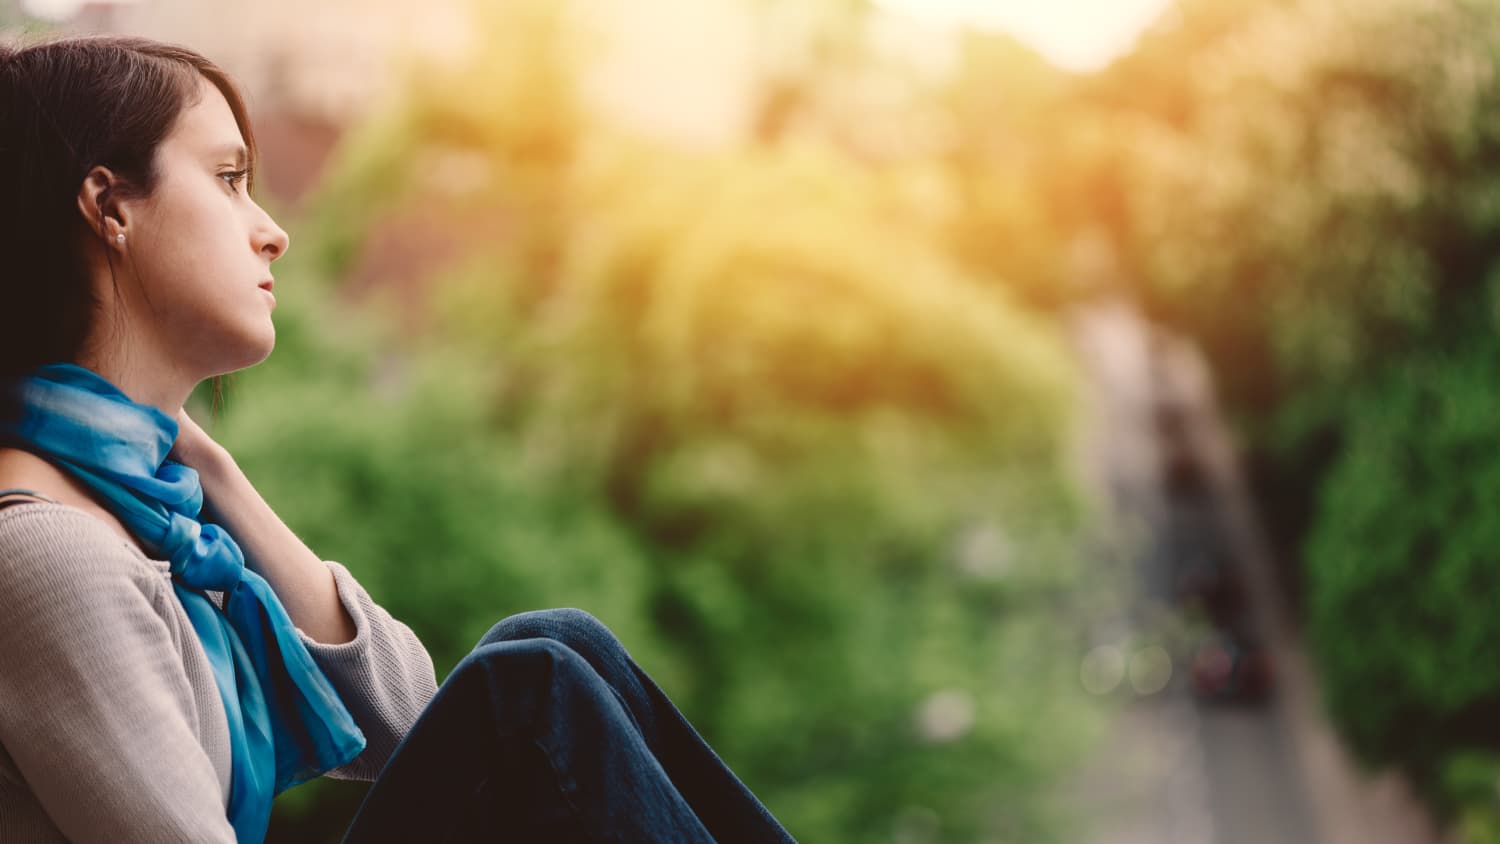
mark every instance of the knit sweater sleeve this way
{"type": "Point", "coordinates": [384, 675]}
{"type": "Point", "coordinates": [95, 709]}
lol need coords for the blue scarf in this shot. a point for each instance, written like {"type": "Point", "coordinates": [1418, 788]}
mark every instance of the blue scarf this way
{"type": "Point", "coordinates": [287, 724]}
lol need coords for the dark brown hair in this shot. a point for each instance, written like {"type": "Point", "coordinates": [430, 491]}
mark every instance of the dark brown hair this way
{"type": "Point", "coordinates": [66, 106]}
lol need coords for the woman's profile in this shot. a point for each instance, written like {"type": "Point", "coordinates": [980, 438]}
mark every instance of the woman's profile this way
{"type": "Point", "coordinates": [172, 656]}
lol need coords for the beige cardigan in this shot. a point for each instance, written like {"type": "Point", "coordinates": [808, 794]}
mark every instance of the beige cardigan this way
{"type": "Point", "coordinates": [111, 727]}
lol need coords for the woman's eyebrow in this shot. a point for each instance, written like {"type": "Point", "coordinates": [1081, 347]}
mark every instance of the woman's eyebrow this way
{"type": "Point", "coordinates": [237, 151]}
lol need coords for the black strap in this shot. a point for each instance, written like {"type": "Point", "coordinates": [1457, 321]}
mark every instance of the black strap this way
{"type": "Point", "coordinates": [30, 493]}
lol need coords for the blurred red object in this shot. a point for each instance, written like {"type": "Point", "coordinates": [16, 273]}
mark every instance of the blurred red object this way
{"type": "Point", "coordinates": [1227, 669]}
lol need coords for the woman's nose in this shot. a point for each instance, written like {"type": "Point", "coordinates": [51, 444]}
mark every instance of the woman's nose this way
{"type": "Point", "coordinates": [273, 240]}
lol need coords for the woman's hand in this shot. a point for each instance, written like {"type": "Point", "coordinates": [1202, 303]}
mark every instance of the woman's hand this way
{"type": "Point", "coordinates": [194, 447]}
{"type": "Point", "coordinates": [301, 579]}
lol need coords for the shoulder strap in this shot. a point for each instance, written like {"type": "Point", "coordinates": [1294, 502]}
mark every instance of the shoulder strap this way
{"type": "Point", "coordinates": [4, 493]}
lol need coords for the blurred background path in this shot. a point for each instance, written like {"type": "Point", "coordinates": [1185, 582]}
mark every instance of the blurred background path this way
{"type": "Point", "coordinates": [1207, 759]}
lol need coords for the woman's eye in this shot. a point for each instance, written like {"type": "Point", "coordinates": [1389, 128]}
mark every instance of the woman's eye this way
{"type": "Point", "coordinates": [235, 178]}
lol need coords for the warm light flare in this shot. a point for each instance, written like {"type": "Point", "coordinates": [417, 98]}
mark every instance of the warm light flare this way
{"type": "Point", "coordinates": [1079, 35]}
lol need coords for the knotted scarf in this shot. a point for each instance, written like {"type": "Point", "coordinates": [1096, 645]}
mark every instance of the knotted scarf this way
{"type": "Point", "coordinates": [286, 721]}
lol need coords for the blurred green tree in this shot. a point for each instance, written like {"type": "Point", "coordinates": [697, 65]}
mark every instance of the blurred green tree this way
{"type": "Point", "coordinates": [1309, 188]}
{"type": "Point", "coordinates": [739, 404]}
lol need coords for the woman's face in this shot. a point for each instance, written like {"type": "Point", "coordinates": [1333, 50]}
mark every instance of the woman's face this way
{"type": "Point", "coordinates": [201, 248]}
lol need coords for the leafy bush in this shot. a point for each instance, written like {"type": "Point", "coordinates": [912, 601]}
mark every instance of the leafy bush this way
{"type": "Point", "coordinates": [1401, 556]}
{"type": "Point", "coordinates": [738, 405]}
{"type": "Point", "coordinates": [1308, 187]}
{"type": "Point", "coordinates": [387, 463]}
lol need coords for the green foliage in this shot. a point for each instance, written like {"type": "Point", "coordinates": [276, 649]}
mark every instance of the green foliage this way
{"type": "Point", "coordinates": [1402, 550]}
{"type": "Point", "coordinates": [818, 605]}
{"type": "Point", "coordinates": [1334, 168]}
{"type": "Point", "coordinates": [385, 461]}
{"type": "Point", "coordinates": [741, 406]}
{"type": "Point", "coordinates": [1469, 783]}
{"type": "Point", "coordinates": [786, 418]}
{"type": "Point", "coordinates": [1308, 187]}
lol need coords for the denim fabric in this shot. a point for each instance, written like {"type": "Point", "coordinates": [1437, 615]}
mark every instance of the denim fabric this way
{"type": "Point", "coordinates": [548, 731]}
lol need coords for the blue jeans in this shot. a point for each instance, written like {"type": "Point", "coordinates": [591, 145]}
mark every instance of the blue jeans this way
{"type": "Point", "coordinates": [548, 731]}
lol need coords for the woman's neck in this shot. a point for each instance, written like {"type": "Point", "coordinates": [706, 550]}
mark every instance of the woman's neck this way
{"type": "Point", "coordinates": [146, 379]}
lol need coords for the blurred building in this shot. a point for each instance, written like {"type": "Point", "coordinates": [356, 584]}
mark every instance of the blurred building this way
{"type": "Point", "coordinates": [679, 66]}
{"type": "Point", "coordinates": [327, 60]}
{"type": "Point", "coordinates": [675, 68]}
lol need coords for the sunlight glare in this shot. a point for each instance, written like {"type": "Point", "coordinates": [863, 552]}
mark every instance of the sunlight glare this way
{"type": "Point", "coordinates": [1078, 35]}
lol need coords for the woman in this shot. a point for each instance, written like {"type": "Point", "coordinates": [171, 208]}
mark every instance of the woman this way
{"type": "Point", "coordinates": [153, 687]}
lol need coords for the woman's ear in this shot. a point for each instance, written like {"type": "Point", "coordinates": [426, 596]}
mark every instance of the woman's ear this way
{"type": "Point", "coordinates": [101, 207]}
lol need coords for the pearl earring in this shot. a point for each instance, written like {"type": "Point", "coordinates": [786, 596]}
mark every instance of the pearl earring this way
{"type": "Point", "coordinates": [119, 238]}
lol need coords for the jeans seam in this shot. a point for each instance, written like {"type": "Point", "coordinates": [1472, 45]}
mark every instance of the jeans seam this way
{"type": "Point", "coordinates": [477, 790]}
{"type": "Point", "coordinates": [557, 777]}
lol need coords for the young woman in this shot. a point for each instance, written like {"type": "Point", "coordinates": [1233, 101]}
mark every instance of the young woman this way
{"type": "Point", "coordinates": [153, 687]}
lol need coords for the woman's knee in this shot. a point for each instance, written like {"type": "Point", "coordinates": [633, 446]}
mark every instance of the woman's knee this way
{"type": "Point", "coordinates": [575, 628]}
{"type": "Point", "coordinates": [530, 670]}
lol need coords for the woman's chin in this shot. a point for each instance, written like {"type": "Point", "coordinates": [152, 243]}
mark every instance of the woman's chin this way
{"type": "Point", "coordinates": [250, 352]}
{"type": "Point", "coordinates": [268, 347]}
